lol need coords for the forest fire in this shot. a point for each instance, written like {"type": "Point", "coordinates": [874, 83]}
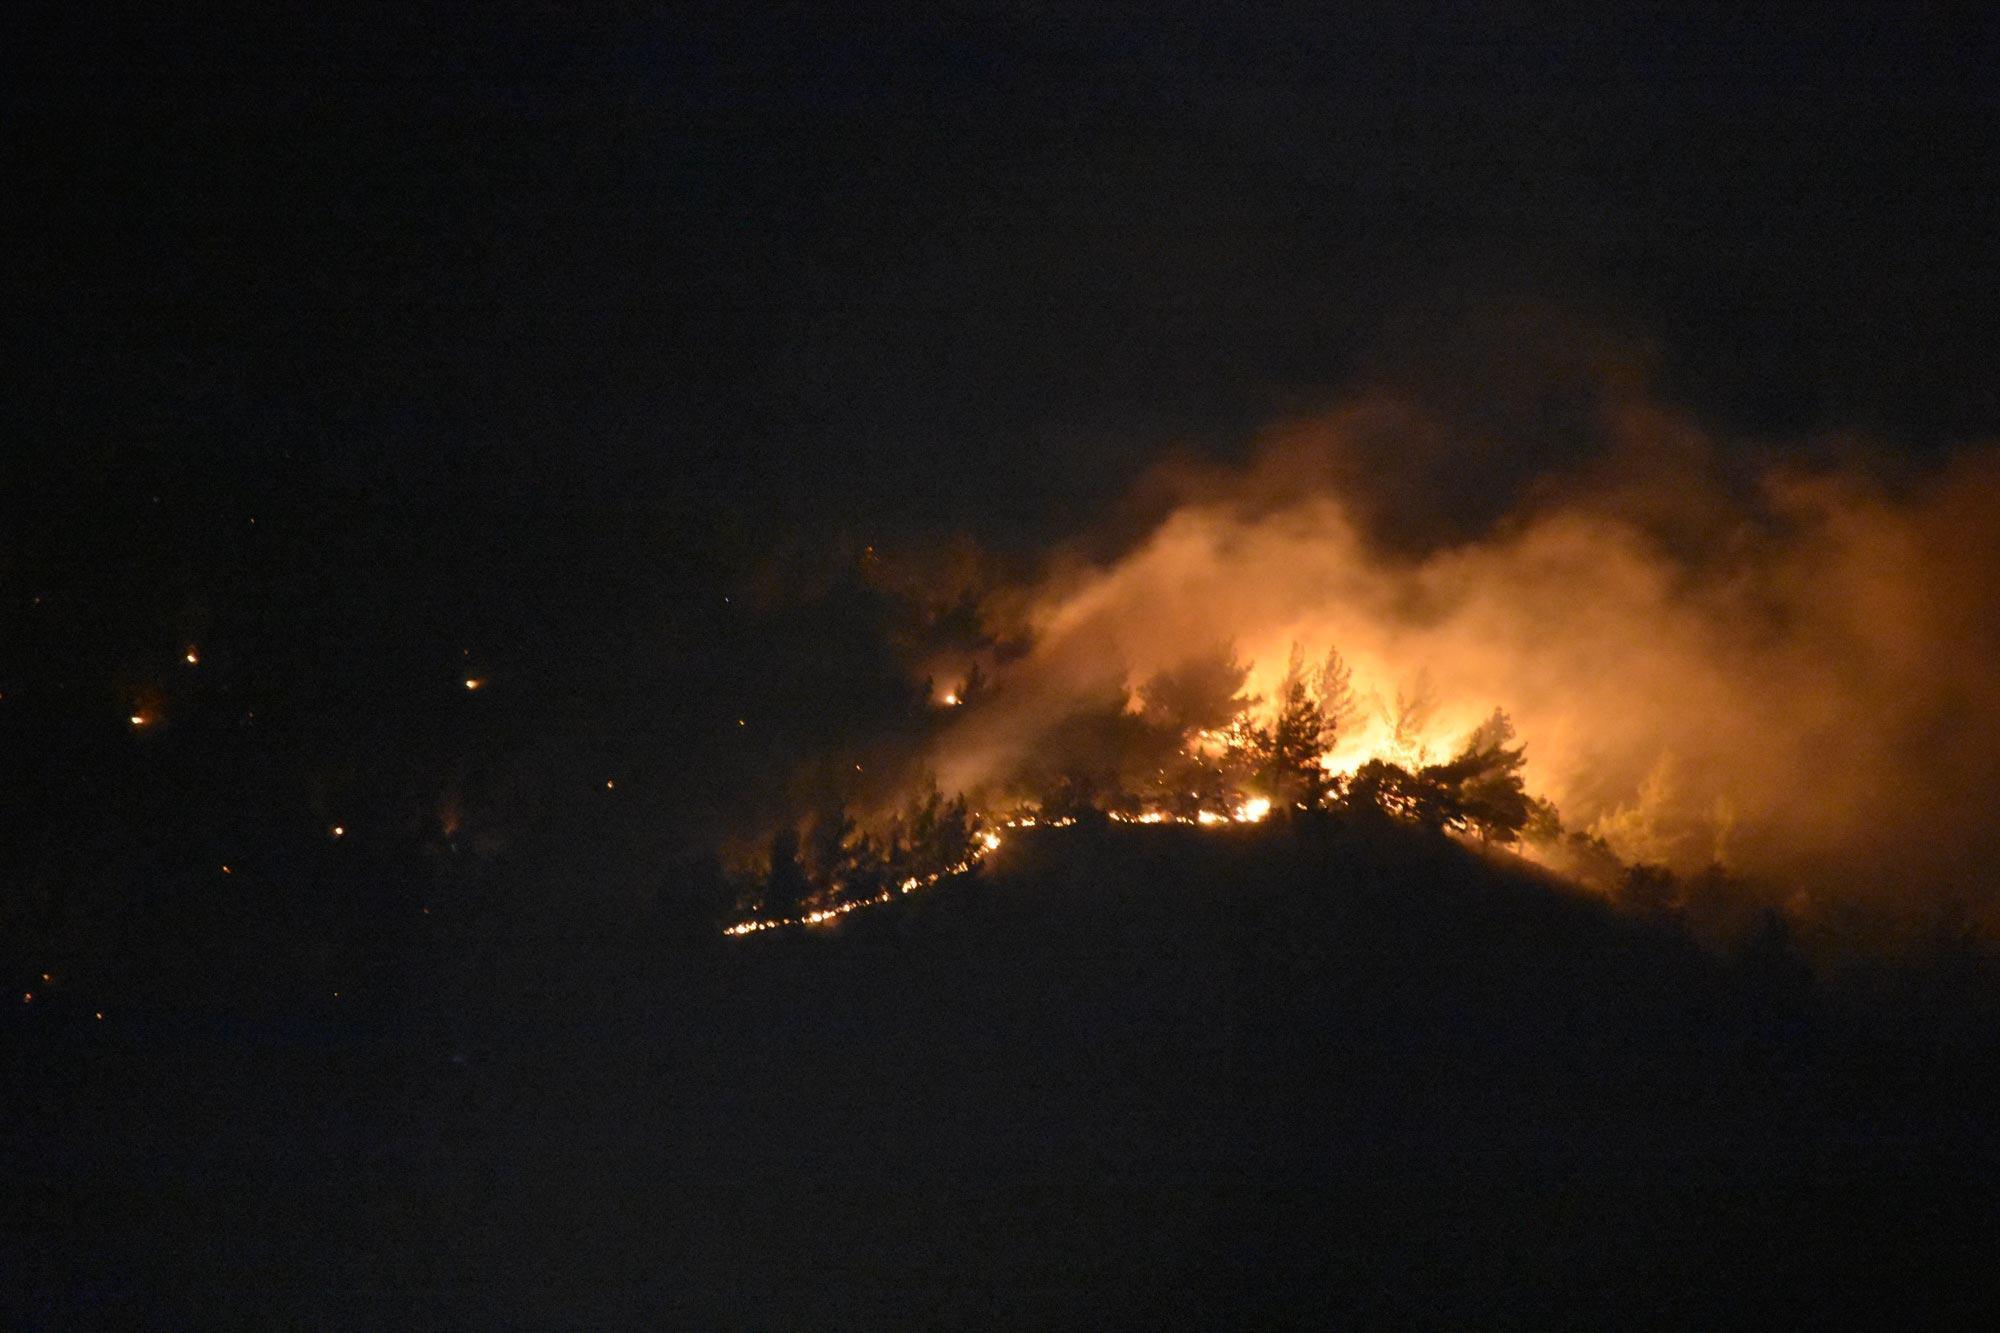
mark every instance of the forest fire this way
{"type": "Point", "coordinates": [1711, 680]}
{"type": "Point", "coordinates": [1213, 777]}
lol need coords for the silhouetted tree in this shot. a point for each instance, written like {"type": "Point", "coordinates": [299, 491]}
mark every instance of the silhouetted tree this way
{"type": "Point", "coordinates": [1482, 787]}
{"type": "Point", "coordinates": [1651, 890]}
{"type": "Point", "coordinates": [1202, 693]}
{"type": "Point", "coordinates": [1380, 787]}
{"type": "Point", "coordinates": [1288, 752]}
{"type": "Point", "coordinates": [785, 883]}
{"type": "Point", "coordinates": [940, 831]}
{"type": "Point", "coordinates": [828, 853]}
{"type": "Point", "coordinates": [1479, 790]}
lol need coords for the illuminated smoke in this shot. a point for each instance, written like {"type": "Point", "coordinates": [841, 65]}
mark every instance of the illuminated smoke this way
{"type": "Point", "coordinates": [1792, 669]}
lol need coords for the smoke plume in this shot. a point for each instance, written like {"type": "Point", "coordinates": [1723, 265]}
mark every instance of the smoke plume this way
{"type": "Point", "coordinates": [1779, 659]}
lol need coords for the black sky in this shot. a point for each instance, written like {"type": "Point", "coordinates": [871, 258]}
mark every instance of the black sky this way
{"type": "Point", "coordinates": [968, 265]}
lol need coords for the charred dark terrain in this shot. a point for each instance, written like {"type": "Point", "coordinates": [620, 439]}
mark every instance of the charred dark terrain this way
{"type": "Point", "coordinates": [1119, 1077]}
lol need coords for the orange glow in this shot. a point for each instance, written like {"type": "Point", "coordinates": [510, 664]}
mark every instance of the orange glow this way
{"type": "Point", "coordinates": [192, 655]}
{"type": "Point", "coordinates": [473, 682]}
{"type": "Point", "coordinates": [1788, 674]}
{"type": "Point", "coordinates": [339, 831]}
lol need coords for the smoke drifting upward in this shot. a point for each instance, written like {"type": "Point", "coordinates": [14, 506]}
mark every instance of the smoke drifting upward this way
{"type": "Point", "coordinates": [1786, 667]}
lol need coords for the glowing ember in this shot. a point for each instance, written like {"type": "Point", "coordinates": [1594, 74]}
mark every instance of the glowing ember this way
{"type": "Point", "coordinates": [473, 682]}
{"type": "Point", "coordinates": [193, 657]}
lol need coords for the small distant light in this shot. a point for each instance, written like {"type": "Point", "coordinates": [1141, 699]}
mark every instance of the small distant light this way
{"type": "Point", "coordinates": [27, 997]}
{"type": "Point", "coordinates": [47, 977]}
{"type": "Point", "coordinates": [609, 784]}
{"type": "Point", "coordinates": [100, 1015]}
{"type": "Point", "coordinates": [227, 871]}
{"type": "Point", "coordinates": [339, 831]}
{"type": "Point", "coordinates": [473, 682]}
{"type": "Point", "coordinates": [951, 701]}
{"type": "Point", "coordinates": [740, 722]}
{"type": "Point", "coordinates": [193, 656]}
{"type": "Point", "coordinates": [138, 719]}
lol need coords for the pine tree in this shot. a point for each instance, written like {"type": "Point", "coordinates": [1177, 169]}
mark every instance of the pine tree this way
{"type": "Point", "coordinates": [1289, 750]}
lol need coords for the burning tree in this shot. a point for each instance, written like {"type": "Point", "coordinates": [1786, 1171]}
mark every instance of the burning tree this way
{"type": "Point", "coordinates": [1312, 704]}
{"type": "Point", "coordinates": [1479, 790]}
{"type": "Point", "coordinates": [933, 836]}
{"type": "Point", "coordinates": [1200, 700]}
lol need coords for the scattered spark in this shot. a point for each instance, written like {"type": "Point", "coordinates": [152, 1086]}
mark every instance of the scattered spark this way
{"type": "Point", "coordinates": [951, 699]}
{"type": "Point", "coordinates": [610, 784]}
{"type": "Point", "coordinates": [140, 719]}
{"type": "Point", "coordinates": [227, 871]}
{"type": "Point", "coordinates": [193, 655]}
{"type": "Point", "coordinates": [100, 1015]}
{"type": "Point", "coordinates": [473, 682]}
{"type": "Point", "coordinates": [27, 997]}
{"type": "Point", "coordinates": [740, 722]}
{"type": "Point", "coordinates": [339, 831]}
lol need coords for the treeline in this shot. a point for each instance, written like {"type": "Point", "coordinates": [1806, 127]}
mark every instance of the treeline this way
{"type": "Point", "coordinates": [1185, 746]}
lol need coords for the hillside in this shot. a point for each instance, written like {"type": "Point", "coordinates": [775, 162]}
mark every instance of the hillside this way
{"type": "Point", "coordinates": [1133, 1077]}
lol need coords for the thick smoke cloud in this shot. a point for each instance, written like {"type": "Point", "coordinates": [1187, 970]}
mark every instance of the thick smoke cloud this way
{"type": "Point", "coordinates": [1782, 660]}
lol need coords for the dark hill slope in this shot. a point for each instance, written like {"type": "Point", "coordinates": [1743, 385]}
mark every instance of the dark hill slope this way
{"type": "Point", "coordinates": [1123, 1077]}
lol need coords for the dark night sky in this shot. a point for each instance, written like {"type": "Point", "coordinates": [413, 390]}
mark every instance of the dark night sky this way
{"type": "Point", "coordinates": [976, 264]}
{"type": "Point", "coordinates": [523, 335]}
